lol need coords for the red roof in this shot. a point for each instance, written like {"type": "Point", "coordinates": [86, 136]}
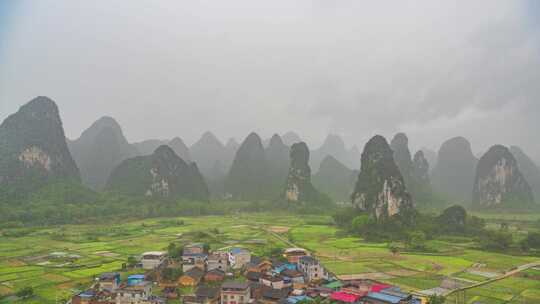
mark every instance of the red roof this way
{"type": "Point", "coordinates": [379, 287]}
{"type": "Point", "coordinates": [344, 297]}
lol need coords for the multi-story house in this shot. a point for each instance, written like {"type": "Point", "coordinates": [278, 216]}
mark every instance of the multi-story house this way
{"type": "Point", "coordinates": [218, 260]}
{"type": "Point", "coordinates": [312, 269]}
{"type": "Point", "coordinates": [239, 257]}
{"type": "Point", "coordinates": [153, 259]}
{"type": "Point", "coordinates": [235, 293]}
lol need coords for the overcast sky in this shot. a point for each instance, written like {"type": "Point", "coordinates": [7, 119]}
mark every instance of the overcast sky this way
{"type": "Point", "coordinates": [433, 69]}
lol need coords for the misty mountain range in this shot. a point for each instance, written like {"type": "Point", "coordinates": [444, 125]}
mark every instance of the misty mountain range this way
{"type": "Point", "coordinates": [35, 149]}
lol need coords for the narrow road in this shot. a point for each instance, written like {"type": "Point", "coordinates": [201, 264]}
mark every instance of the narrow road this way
{"type": "Point", "coordinates": [501, 277]}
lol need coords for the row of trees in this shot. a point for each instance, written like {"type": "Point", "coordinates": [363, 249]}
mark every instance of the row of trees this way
{"type": "Point", "coordinates": [414, 234]}
{"type": "Point", "coordinates": [453, 220]}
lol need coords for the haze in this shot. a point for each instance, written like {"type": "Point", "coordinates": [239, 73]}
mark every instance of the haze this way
{"type": "Point", "coordinates": [432, 69]}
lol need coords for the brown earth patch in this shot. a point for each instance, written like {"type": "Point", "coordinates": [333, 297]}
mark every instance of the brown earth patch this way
{"type": "Point", "coordinates": [4, 290]}
{"type": "Point", "coordinates": [16, 263]}
{"type": "Point", "coordinates": [66, 285]}
{"type": "Point", "coordinates": [402, 273]}
{"type": "Point", "coordinates": [366, 276]}
{"type": "Point", "coordinates": [56, 278]}
{"type": "Point", "coordinates": [279, 229]}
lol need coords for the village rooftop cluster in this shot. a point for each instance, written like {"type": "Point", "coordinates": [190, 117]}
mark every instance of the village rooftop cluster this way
{"type": "Point", "coordinates": [235, 276]}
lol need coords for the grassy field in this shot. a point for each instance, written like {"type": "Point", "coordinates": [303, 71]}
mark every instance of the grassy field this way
{"type": "Point", "coordinates": [80, 252]}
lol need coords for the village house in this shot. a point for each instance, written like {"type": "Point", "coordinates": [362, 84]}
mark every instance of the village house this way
{"type": "Point", "coordinates": [93, 297]}
{"type": "Point", "coordinates": [362, 287]}
{"type": "Point", "coordinates": [274, 296]}
{"type": "Point", "coordinates": [312, 269]}
{"type": "Point", "coordinates": [257, 264]}
{"type": "Point", "coordinates": [109, 281]}
{"type": "Point", "coordinates": [280, 267]}
{"type": "Point", "coordinates": [134, 294]}
{"type": "Point", "coordinates": [135, 279]}
{"type": "Point", "coordinates": [390, 295]}
{"type": "Point", "coordinates": [203, 295]}
{"type": "Point", "coordinates": [192, 260]}
{"type": "Point", "coordinates": [239, 257]}
{"type": "Point", "coordinates": [345, 298]}
{"type": "Point", "coordinates": [318, 291]}
{"type": "Point", "coordinates": [295, 276]}
{"type": "Point", "coordinates": [293, 255]}
{"type": "Point", "coordinates": [253, 276]}
{"type": "Point", "coordinates": [195, 248]}
{"type": "Point", "coordinates": [218, 260]}
{"type": "Point", "coordinates": [215, 275]}
{"type": "Point", "coordinates": [153, 259]}
{"type": "Point", "coordinates": [275, 282]}
{"type": "Point", "coordinates": [192, 277]}
{"type": "Point", "coordinates": [235, 293]}
{"type": "Point", "coordinates": [296, 299]}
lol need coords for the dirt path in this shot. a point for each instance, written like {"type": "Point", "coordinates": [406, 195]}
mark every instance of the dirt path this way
{"type": "Point", "coordinates": [279, 237]}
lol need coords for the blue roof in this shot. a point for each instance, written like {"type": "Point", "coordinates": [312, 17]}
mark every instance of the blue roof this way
{"type": "Point", "coordinates": [281, 268]}
{"type": "Point", "coordinates": [396, 292]}
{"type": "Point", "coordinates": [87, 294]}
{"type": "Point", "coordinates": [236, 250]}
{"type": "Point", "coordinates": [384, 297]}
{"type": "Point", "coordinates": [296, 299]}
{"type": "Point", "coordinates": [136, 277]}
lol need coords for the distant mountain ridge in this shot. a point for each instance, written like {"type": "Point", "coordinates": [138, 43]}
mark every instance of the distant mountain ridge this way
{"type": "Point", "coordinates": [277, 158]}
{"type": "Point", "coordinates": [455, 171]}
{"type": "Point", "coordinates": [299, 187]}
{"type": "Point", "coordinates": [499, 181]}
{"type": "Point", "coordinates": [334, 146]}
{"type": "Point", "coordinates": [529, 169]}
{"type": "Point", "coordinates": [99, 149]}
{"type": "Point", "coordinates": [248, 177]}
{"type": "Point", "coordinates": [335, 179]}
{"type": "Point", "coordinates": [33, 149]}
{"type": "Point", "coordinates": [163, 174]}
{"type": "Point", "coordinates": [380, 188]}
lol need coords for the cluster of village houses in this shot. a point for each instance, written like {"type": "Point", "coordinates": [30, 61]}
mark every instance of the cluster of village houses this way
{"type": "Point", "coordinates": [235, 276]}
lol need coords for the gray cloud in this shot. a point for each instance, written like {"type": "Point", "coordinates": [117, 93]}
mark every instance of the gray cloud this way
{"type": "Point", "coordinates": [433, 69]}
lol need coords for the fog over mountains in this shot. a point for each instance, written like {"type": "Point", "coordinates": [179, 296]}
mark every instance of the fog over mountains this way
{"type": "Point", "coordinates": [389, 178]}
{"type": "Point", "coordinates": [433, 69]}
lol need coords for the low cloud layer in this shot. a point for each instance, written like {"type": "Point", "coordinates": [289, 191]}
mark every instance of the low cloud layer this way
{"type": "Point", "coordinates": [434, 69]}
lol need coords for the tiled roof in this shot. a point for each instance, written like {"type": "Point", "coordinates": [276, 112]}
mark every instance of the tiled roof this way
{"type": "Point", "coordinates": [195, 273]}
{"type": "Point", "coordinates": [235, 285]}
{"type": "Point", "coordinates": [207, 291]}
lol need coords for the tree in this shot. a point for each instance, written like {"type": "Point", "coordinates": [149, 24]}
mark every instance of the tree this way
{"type": "Point", "coordinates": [359, 222]}
{"type": "Point", "coordinates": [132, 261]}
{"type": "Point", "coordinates": [532, 241]}
{"type": "Point", "coordinates": [344, 216]}
{"type": "Point", "coordinates": [394, 248]}
{"type": "Point", "coordinates": [453, 219]}
{"type": "Point", "coordinates": [497, 240]}
{"type": "Point", "coordinates": [174, 251]}
{"type": "Point", "coordinates": [417, 240]}
{"type": "Point", "coordinates": [25, 293]}
{"type": "Point", "coordinates": [171, 274]}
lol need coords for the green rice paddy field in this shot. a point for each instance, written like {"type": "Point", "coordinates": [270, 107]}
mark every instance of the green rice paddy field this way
{"type": "Point", "coordinates": [58, 261]}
